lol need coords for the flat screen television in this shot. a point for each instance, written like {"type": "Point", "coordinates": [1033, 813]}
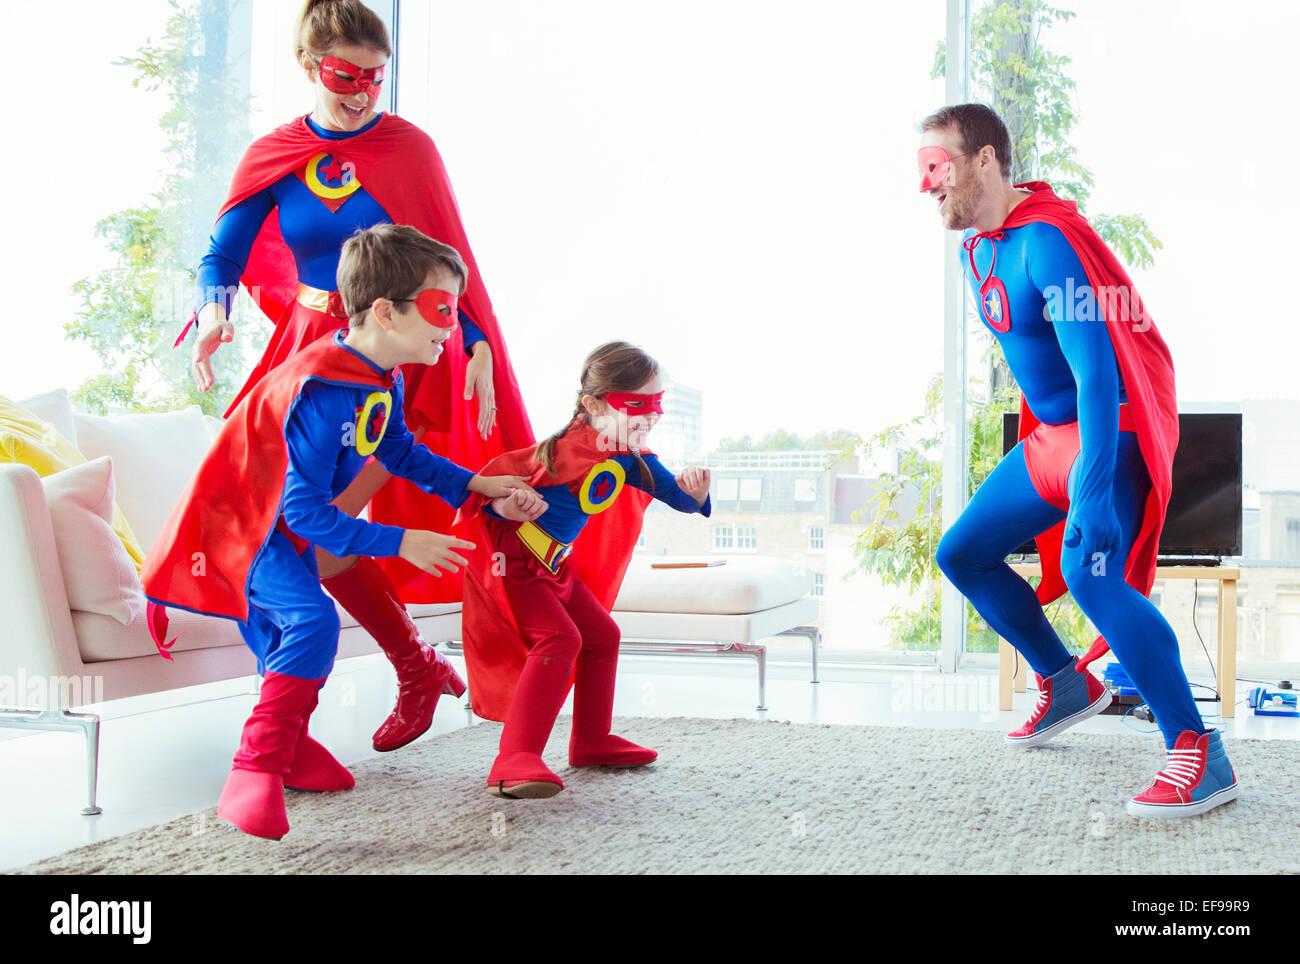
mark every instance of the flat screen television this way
{"type": "Point", "coordinates": [1203, 521]}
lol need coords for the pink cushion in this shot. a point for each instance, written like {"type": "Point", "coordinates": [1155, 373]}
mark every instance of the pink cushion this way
{"type": "Point", "coordinates": [97, 572]}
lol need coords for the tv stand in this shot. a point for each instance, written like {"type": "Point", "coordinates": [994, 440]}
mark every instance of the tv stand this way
{"type": "Point", "coordinates": [1225, 664]}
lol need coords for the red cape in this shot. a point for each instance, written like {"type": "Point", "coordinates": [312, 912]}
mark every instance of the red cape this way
{"type": "Point", "coordinates": [398, 164]}
{"type": "Point", "coordinates": [233, 502]}
{"type": "Point", "coordinates": [1148, 374]}
{"type": "Point", "coordinates": [494, 649]}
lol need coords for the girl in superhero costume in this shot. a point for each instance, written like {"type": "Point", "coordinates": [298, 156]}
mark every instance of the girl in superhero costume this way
{"type": "Point", "coordinates": [539, 588]}
{"type": "Point", "coordinates": [241, 541]}
{"type": "Point", "coordinates": [1091, 476]}
{"type": "Point", "coordinates": [296, 195]}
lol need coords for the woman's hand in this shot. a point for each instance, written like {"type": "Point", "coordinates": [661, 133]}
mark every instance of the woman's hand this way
{"type": "Point", "coordinates": [478, 381]}
{"type": "Point", "coordinates": [695, 483]}
{"type": "Point", "coordinates": [214, 329]}
{"type": "Point", "coordinates": [432, 551]}
{"type": "Point", "coordinates": [520, 506]}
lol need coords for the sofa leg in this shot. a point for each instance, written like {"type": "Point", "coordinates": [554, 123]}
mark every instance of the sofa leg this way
{"type": "Point", "coordinates": [87, 723]}
{"type": "Point", "coordinates": [814, 637]}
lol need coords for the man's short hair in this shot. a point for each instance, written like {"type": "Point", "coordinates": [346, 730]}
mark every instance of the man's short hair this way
{"type": "Point", "coordinates": [391, 261]}
{"type": "Point", "coordinates": [978, 125]}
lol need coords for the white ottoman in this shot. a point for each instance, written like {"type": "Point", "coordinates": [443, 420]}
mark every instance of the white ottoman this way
{"type": "Point", "coordinates": [718, 610]}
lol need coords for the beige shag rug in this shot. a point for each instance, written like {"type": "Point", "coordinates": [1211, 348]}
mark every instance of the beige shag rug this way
{"type": "Point", "coordinates": [746, 796]}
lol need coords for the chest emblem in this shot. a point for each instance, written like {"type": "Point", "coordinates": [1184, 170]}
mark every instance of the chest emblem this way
{"type": "Point", "coordinates": [372, 422]}
{"type": "Point", "coordinates": [330, 179]}
{"type": "Point", "coordinates": [993, 304]}
{"type": "Point", "coordinates": [601, 486]}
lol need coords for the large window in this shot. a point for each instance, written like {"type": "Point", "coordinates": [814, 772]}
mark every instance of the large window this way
{"type": "Point", "coordinates": [1158, 206]}
{"type": "Point", "coordinates": [729, 185]}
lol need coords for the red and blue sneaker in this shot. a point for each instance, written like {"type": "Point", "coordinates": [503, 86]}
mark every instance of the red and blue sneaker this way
{"type": "Point", "coordinates": [1197, 777]}
{"type": "Point", "coordinates": [1064, 699]}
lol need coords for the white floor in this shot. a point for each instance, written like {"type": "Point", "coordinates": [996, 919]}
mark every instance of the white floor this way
{"type": "Point", "coordinates": [167, 755]}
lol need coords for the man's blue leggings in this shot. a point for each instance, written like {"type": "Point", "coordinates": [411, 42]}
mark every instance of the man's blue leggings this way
{"type": "Point", "coordinates": [1004, 513]}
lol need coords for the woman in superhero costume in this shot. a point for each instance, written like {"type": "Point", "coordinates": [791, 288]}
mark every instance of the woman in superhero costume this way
{"type": "Point", "coordinates": [297, 194]}
{"type": "Point", "coordinates": [537, 604]}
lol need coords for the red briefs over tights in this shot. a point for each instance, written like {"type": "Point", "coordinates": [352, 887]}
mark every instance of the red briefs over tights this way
{"type": "Point", "coordinates": [1050, 451]}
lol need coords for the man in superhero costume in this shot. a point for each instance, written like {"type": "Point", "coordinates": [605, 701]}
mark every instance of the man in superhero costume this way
{"type": "Point", "coordinates": [296, 195]}
{"type": "Point", "coordinates": [1091, 475]}
{"type": "Point", "coordinates": [241, 541]}
{"type": "Point", "coordinates": [537, 597]}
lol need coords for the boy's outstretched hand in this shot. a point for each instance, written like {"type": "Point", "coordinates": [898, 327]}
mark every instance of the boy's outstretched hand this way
{"type": "Point", "coordinates": [695, 483]}
{"type": "Point", "coordinates": [498, 486]}
{"type": "Point", "coordinates": [520, 505]}
{"type": "Point", "coordinates": [432, 551]}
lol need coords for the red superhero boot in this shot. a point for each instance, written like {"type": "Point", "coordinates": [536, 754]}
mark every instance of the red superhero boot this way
{"type": "Point", "coordinates": [591, 743]}
{"type": "Point", "coordinates": [423, 674]}
{"type": "Point", "coordinates": [253, 797]}
{"type": "Point", "coordinates": [314, 767]}
{"type": "Point", "coordinates": [518, 772]}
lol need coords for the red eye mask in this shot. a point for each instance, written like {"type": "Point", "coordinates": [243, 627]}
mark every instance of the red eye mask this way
{"type": "Point", "coordinates": [933, 164]}
{"type": "Point", "coordinates": [635, 404]}
{"type": "Point", "coordinates": [435, 306]}
{"type": "Point", "coordinates": [345, 78]}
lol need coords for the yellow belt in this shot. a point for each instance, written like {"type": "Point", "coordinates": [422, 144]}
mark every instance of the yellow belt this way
{"type": "Point", "coordinates": [314, 298]}
{"type": "Point", "coordinates": [550, 552]}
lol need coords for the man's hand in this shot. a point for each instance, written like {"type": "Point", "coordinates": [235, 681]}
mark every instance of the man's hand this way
{"type": "Point", "coordinates": [1092, 529]}
{"type": "Point", "coordinates": [520, 505]}
{"type": "Point", "coordinates": [497, 486]}
{"type": "Point", "coordinates": [432, 551]}
{"type": "Point", "coordinates": [478, 381]}
{"type": "Point", "coordinates": [695, 483]}
{"type": "Point", "coordinates": [214, 330]}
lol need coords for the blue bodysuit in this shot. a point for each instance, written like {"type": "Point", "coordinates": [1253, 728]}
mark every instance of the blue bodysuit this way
{"type": "Point", "coordinates": [313, 232]}
{"type": "Point", "coordinates": [565, 518]}
{"type": "Point", "coordinates": [1038, 305]}
{"type": "Point", "coordinates": [292, 625]}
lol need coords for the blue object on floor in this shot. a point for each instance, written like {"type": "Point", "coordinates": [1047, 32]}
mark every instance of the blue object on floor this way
{"type": "Point", "coordinates": [1118, 680]}
{"type": "Point", "coordinates": [1265, 703]}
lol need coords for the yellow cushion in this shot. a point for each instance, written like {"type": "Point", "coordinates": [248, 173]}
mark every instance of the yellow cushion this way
{"type": "Point", "coordinates": [27, 440]}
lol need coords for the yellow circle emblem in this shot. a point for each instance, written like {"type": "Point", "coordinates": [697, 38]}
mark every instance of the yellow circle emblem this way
{"type": "Point", "coordinates": [344, 172]}
{"type": "Point", "coordinates": [366, 442]}
{"type": "Point", "coordinates": [601, 486]}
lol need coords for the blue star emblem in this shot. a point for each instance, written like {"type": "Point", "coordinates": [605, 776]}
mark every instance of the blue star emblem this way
{"type": "Point", "coordinates": [601, 488]}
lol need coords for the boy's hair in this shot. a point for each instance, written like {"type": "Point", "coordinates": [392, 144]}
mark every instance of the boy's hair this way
{"type": "Point", "coordinates": [391, 261]}
{"type": "Point", "coordinates": [978, 125]}
{"type": "Point", "coordinates": [615, 366]}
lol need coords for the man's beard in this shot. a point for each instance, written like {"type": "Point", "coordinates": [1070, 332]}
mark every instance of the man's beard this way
{"type": "Point", "coordinates": [959, 209]}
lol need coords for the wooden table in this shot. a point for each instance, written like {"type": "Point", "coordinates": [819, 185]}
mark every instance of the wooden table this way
{"type": "Point", "coordinates": [1012, 672]}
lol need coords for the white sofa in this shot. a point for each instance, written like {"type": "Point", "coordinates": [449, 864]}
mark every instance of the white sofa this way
{"type": "Point", "coordinates": [55, 658]}
{"type": "Point", "coordinates": [724, 610]}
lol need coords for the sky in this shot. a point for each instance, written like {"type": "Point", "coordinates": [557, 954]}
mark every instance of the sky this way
{"type": "Point", "coordinates": [730, 185]}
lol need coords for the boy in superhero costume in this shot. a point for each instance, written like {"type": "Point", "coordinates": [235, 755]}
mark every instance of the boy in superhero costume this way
{"type": "Point", "coordinates": [1091, 475]}
{"type": "Point", "coordinates": [296, 195]}
{"type": "Point", "coordinates": [537, 598]}
{"type": "Point", "coordinates": [241, 541]}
